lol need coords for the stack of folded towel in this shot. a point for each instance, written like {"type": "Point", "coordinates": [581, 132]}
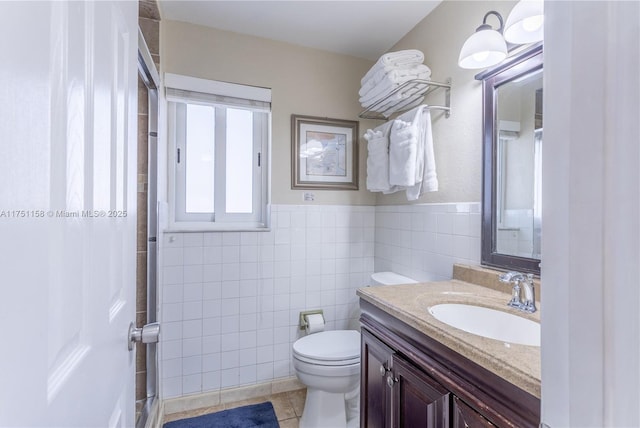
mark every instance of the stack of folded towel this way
{"type": "Point", "coordinates": [391, 71]}
{"type": "Point", "coordinates": [401, 155]}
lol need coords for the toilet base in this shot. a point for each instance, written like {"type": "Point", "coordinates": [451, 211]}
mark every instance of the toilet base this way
{"type": "Point", "coordinates": [323, 410]}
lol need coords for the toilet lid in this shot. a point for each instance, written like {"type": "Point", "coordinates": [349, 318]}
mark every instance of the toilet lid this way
{"type": "Point", "coordinates": [335, 345]}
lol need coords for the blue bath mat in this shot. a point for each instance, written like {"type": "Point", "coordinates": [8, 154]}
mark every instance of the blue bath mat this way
{"type": "Point", "coordinates": [253, 416]}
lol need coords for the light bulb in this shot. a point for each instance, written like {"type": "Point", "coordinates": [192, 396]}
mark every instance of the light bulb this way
{"type": "Point", "coordinates": [482, 49]}
{"type": "Point", "coordinates": [481, 56]}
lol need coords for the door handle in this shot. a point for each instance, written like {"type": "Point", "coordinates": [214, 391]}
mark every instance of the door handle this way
{"type": "Point", "coordinates": [149, 333]}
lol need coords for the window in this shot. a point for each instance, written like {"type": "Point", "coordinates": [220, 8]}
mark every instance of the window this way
{"type": "Point", "coordinates": [219, 146]}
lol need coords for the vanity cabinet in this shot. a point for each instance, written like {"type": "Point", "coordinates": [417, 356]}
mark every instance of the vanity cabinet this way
{"type": "Point", "coordinates": [410, 380]}
{"type": "Point", "coordinates": [393, 388]}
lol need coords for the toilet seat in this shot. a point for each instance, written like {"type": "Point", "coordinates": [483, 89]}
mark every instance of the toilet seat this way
{"type": "Point", "coordinates": [329, 348]}
{"type": "Point", "coordinates": [327, 363]}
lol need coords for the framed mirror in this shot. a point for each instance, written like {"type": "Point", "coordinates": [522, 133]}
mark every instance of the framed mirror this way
{"type": "Point", "coordinates": [512, 162]}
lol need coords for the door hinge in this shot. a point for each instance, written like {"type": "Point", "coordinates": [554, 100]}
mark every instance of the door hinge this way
{"type": "Point", "coordinates": [178, 156]}
{"type": "Point", "coordinates": [259, 159]}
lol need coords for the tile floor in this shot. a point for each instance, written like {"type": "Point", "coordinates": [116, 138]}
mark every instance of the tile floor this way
{"type": "Point", "coordinates": [288, 407]}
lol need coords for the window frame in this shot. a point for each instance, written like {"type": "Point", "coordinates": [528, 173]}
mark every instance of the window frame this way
{"type": "Point", "coordinates": [191, 90]}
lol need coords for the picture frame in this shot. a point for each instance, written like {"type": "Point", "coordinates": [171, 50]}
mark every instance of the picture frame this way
{"type": "Point", "coordinates": [324, 153]}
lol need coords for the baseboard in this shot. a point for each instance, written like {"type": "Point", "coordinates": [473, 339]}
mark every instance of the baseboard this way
{"type": "Point", "coordinates": [198, 401]}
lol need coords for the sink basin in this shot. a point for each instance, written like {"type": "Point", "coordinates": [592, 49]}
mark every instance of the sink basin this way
{"type": "Point", "coordinates": [489, 323]}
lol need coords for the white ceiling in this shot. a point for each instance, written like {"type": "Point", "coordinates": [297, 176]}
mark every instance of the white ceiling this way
{"type": "Point", "coordinates": [361, 28]}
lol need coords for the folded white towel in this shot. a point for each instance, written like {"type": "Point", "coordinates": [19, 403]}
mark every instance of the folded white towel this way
{"type": "Point", "coordinates": [388, 85]}
{"type": "Point", "coordinates": [403, 145]}
{"type": "Point", "coordinates": [399, 59]}
{"type": "Point", "coordinates": [399, 99]}
{"type": "Point", "coordinates": [378, 158]}
{"type": "Point", "coordinates": [419, 71]}
{"type": "Point", "coordinates": [404, 57]}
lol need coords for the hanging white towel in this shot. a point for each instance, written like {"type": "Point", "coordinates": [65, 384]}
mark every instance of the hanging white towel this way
{"type": "Point", "coordinates": [411, 158]}
{"type": "Point", "coordinates": [426, 178]}
{"type": "Point", "coordinates": [403, 145]}
{"type": "Point", "coordinates": [378, 158]}
{"type": "Point", "coordinates": [430, 177]}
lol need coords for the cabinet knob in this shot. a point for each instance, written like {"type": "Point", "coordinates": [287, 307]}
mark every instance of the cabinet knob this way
{"type": "Point", "coordinates": [383, 370]}
{"type": "Point", "coordinates": [391, 381]}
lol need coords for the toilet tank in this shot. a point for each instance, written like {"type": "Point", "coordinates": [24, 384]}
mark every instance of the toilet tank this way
{"type": "Point", "coordinates": [379, 278]}
{"type": "Point", "coordinates": [390, 278]}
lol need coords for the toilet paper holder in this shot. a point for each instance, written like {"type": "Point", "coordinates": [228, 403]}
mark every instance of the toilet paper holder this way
{"type": "Point", "coordinates": [303, 317]}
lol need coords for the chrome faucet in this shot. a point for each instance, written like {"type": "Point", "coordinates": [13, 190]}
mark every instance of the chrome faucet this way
{"type": "Point", "coordinates": [523, 297]}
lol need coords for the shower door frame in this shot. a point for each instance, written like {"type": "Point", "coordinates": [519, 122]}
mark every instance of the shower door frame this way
{"type": "Point", "coordinates": [151, 79]}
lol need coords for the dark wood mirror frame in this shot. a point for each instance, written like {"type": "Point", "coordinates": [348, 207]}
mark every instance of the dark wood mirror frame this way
{"type": "Point", "coordinates": [529, 60]}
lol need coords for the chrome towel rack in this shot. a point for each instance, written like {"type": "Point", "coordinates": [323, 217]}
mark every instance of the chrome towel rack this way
{"type": "Point", "coordinates": [422, 88]}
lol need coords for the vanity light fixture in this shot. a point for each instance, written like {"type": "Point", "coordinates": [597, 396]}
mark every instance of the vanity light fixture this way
{"type": "Point", "coordinates": [487, 47]}
{"type": "Point", "coordinates": [525, 23]}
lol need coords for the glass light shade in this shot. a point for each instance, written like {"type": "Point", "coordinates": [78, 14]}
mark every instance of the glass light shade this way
{"type": "Point", "coordinates": [483, 49]}
{"type": "Point", "coordinates": [525, 23]}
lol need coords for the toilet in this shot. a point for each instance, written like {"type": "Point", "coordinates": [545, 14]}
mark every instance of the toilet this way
{"type": "Point", "coordinates": [328, 363]}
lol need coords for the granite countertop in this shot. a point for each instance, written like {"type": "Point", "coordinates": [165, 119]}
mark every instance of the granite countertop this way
{"type": "Point", "coordinates": [518, 364]}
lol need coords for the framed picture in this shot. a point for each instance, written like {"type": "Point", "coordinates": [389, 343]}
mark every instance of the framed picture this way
{"type": "Point", "coordinates": [324, 153]}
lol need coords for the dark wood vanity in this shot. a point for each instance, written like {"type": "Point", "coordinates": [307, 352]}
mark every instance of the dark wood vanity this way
{"type": "Point", "coordinates": [409, 379]}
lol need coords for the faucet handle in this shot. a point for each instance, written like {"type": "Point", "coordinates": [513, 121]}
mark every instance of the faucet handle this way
{"type": "Point", "coordinates": [516, 296]}
{"type": "Point", "coordinates": [529, 303]}
{"type": "Point", "coordinates": [507, 276]}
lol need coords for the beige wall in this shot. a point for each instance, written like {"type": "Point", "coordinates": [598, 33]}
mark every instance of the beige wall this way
{"type": "Point", "coordinates": [303, 81]}
{"type": "Point", "coordinates": [457, 140]}
{"type": "Point", "coordinates": [318, 83]}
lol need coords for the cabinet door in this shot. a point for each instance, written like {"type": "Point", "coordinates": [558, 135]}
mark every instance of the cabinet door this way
{"type": "Point", "coordinates": [418, 400]}
{"type": "Point", "coordinates": [375, 397]}
{"type": "Point", "coordinates": [465, 417]}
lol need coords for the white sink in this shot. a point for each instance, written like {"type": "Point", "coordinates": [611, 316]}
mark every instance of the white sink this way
{"type": "Point", "coordinates": [489, 323]}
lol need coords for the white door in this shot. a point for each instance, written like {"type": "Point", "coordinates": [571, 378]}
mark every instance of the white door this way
{"type": "Point", "coordinates": [67, 212]}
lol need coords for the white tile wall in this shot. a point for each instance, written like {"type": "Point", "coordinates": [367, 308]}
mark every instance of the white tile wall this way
{"type": "Point", "coordinates": [230, 301]}
{"type": "Point", "coordinates": [424, 241]}
{"type": "Point", "coordinates": [515, 235]}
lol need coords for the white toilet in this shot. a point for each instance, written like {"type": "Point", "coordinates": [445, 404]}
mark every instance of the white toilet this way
{"type": "Point", "coordinates": [328, 363]}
